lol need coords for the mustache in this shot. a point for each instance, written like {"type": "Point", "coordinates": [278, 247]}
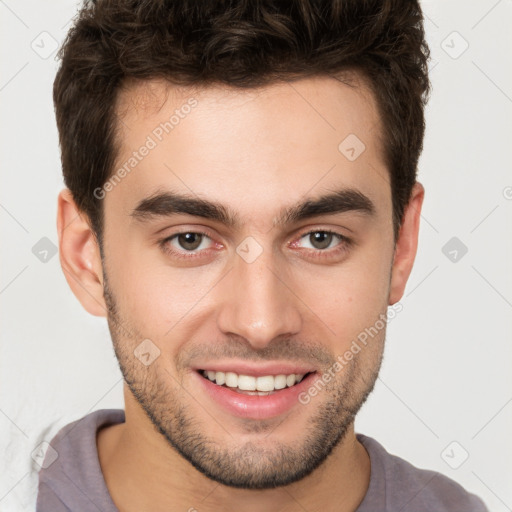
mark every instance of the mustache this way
{"type": "Point", "coordinates": [287, 349]}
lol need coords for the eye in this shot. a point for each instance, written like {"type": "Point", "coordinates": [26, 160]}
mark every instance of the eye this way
{"type": "Point", "coordinates": [189, 241]}
{"type": "Point", "coordinates": [321, 240]}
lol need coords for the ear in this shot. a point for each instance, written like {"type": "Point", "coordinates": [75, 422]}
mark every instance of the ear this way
{"type": "Point", "coordinates": [80, 257]}
{"type": "Point", "coordinates": [407, 243]}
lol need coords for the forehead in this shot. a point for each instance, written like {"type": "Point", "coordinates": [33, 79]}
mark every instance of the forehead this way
{"type": "Point", "coordinates": [251, 148]}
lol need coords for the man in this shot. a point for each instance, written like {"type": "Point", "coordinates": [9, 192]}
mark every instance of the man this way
{"type": "Point", "coordinates": [242, 206]}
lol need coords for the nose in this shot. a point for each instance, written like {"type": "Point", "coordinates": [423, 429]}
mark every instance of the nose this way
{"type": "Point", "coordinates": [258, 303]}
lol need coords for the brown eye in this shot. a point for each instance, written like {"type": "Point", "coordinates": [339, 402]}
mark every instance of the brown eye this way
{"type": "Point", "coordinates": [323, 243]}
{"type": "Point", "coordinates": [320, 239]}
{"type": "Point", "coordinates": [188, 245]}
{"type": "Point", "coordinates": [189, 241]}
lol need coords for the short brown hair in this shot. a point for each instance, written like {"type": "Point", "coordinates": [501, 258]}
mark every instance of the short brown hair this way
{"type": "Point", "coordinates": [241, 43]}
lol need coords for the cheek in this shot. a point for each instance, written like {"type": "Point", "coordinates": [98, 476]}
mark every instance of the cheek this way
{"type": "Point", "coordinates": [155, 297]}
{"type": "Point", "coordinates": [351, 297]}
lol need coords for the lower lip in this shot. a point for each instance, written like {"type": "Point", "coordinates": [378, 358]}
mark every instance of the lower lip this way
{"type": "Point", "coordinates": [255, 406]}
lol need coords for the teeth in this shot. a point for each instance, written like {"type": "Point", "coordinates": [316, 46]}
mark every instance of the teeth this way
{"type": "Point", "coordinates": [231, 379]}
{"type": "Point", "coordinates": [265, 383]}
{"type": "Point", "coordinates": [247, 383]}
{"type": "Point", "coordinates": [253, 385]}
{"type": "Point", "coordinates": [280, 381]}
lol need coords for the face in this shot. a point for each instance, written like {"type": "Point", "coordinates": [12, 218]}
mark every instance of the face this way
{"type": "Point", "coordinates": [251, 244]}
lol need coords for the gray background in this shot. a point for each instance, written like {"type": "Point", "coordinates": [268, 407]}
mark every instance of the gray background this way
{"type": "Point", "coordinates": [445, 389]}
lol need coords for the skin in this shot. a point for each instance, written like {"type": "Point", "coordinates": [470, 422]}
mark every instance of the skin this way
{"type": "Point", "coordinates": [256, 152]}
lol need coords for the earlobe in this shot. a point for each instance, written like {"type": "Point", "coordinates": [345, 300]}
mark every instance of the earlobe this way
{"type": "Point", "coordinates": [80, 255]}
{"type": "Point", "coordinates": [407, 244]}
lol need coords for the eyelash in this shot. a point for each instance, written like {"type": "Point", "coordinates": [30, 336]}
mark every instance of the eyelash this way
{"type": "Point", "coordinates": [344, 244]}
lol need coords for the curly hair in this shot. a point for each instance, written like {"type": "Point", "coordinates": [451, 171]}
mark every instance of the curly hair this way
{"type": "Point", "coordinates": [244, 44]}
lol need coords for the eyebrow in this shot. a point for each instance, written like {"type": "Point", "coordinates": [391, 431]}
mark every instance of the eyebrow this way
{"type": "Point", "coordinates": [166, 204]}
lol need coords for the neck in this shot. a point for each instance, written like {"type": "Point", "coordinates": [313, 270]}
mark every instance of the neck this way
{"type": "Point", "coordinates": [143, 472]}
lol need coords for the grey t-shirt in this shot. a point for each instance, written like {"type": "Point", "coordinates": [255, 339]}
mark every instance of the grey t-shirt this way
{"type": "Point", "coordinates": [74, 481]}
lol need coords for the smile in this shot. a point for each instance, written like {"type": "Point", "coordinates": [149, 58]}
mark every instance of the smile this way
{"type": "Point", "coordinates": [271, 393]}
{"type": "Point", "coordinates": [253, 385]}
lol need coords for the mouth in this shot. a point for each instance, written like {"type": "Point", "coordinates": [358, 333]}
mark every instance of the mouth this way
{"type": "Point", "coordinates": [262, 385]}
{"type": "Point", "coordinates": [255, 394]}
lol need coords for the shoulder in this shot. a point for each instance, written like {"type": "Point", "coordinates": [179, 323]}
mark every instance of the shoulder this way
{"type": "Point", "coordinates": [78, 438]}
{"type": "Point", "coordinates": [405, 487]}
{"type": "Point", "coordinates": [70, 474]}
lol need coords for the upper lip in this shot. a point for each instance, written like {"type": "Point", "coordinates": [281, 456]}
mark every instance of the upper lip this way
{"type": "Point", "coordinates": [241, 368]}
